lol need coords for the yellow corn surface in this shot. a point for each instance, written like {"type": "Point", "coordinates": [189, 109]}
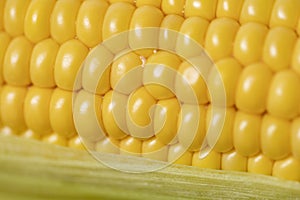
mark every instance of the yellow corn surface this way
{"type": "Point", "coordinates": [254, 44]}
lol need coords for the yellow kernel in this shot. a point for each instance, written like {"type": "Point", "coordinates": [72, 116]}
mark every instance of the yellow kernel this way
{"type": "Point", "coordinates": [246, 133]}
{"type": "Point", "coordinates": [285, 13]}
{"type": "Point", "coordinates": [233, 161]}
{"type": "Point", "coordinates": [36, 110]}
{"type": "Point", "coordinates": [192, 126]}
{"type": "Point", "coordinates": [248, 46]}
{"type": "Point", "coordinates": [224, 71]}
{"type": "Point", "coordinates": [117, 19]}
{"type": "Point", "coordinates": [159, 74]}
{"type": "Point", "coordinates": [256, 11]}
{"type": "Point", "coordinates": [169, 29]}
{"type": "Point", "coordinates": [139, 119]}
{"type": "Point", "coordinates": [4, 42]}
{"type": "Point", "coordinates": [76, 143]}
{"type": "Point", "coordinates": [229, 8]}
{"type": "Point", "coordinates": [296, 57]}
{"type": "Point", "coordinates": [14, 15]}
{"type": "Point", "coordinates": [191, 38]}
{"type": "Point", "coordinates": [154, 149]}
{"type": "Point", "coordinates": [295, 138]}
{"type": "Point", "coordinates": [61, 115]}
{"type": "Point", "coordinates": [42, 63]}
{"type": "Point", "coordinates": [145, 17]}
{"type": "Point", "coordinates": [131, 146]}
{"type": "Point", "coordinates": [211, 161]}
{"type": "Point", "coordinates": [11, 107]}
{"type": "Point", "coordinates": [88, 116]}
{"type": "Point", "coordinates": [69, 59]}
{"type": "Point", "coordinates": [16, 62]}
{"type": "Point", "coordinates": [55, 139]}
{"type": "Point", "coordinates": [287, 169]}
{"type": "Point", "coordinates": [155, 3]}
{"type": "Point", "coordinates": [275, 137]}
{"type": "Point", "coordinates": [90, 21]}
{"type": "Point", "coordinates": [116, 1]}
{"type": "Point", "coordinates": [277, 53]}
{"type": "Point", "coordinates": [108, 145]}
{"type": "Point", "coordinates": [224, 142]}
{"type": "Point", "coordinates": [165, 118]}
{"type": "Point", "coordinates": [190, 83]}
{"type": "Point", "coordinates": [260, 164]}
{"type": "Point", "coordinates": [283, 100]}
{"type": "Point", "coordinates": [252, 88]}
{"type": "Point", "coordinates": [173, 7]}
{"type": "Point", "coordinates": [29, 134]}
{"type": "Point", "coordinates": [2, 5]}
{"type": "Point", "coordinates": [114, 115]}
{"type": "Point", "coordinates": [7, 131]}
{"type": "Point", "coordinates": [179, 155]}
{"type": "Point", "coordinates": [201, 8]}
{"type": "Point", "coordinates": [62, 22]}
{"type": "Point", "coordinates": [220, 38]}
{"type": "Point", "coordinates": [37, 20]}
{"type": "Point", "coordinates": [121, 78]}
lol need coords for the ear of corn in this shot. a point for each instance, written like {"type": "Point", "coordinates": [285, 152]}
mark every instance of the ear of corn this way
{"type": "Point", "coordinates": [254, 44]}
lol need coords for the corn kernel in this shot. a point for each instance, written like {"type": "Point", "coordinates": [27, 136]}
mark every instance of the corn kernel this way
{"type": "Point", "coordinates": [201, 8]}
{"type": "Point", "coordinates": [42, 63]}
{"type": "Point", "coordinates": [225, 140]}
{"type": "Point", "coordinates": [220, 37]}
{"type": "Point", "coordinates": [29, 134]}
{"type": "Point", "coordinates": [131, 146]}
{"type": "Point", "coordinates": [90, 20]}
{"type": "Point", "coordinates": [248, 46]}
{"type": "Point", "coordinates": [283, 101]}
{"type": "Point", "coordinates": [256, 11]}
{"type": "Point", "coordinates": [287, 169]}
{"type": "Point", "coordinates": [252, 88]}
{"type": "Point", "coordinates": [11, 107]}
{"type": "Point", "coordinates": [172, 7]}
{"type": "Point", "coordinates": [55, 139]}
{"type": "Point", "coordinates": [234, 161]}
{"type": "Point", "coordinates": [62, 22]}
{"type": "Point", "coordinates": [108, 145]}
{"type": "Point", "coordinates": [37, 20]}
{"type": "Point", "coordinates": [75, 143]}
{"type": "Point", "coordinates": [154, 149]}
{"type": "Point", "coordinates": [16, 62]}
{"type": "Point", "coordinates": [285, 13]}
{"type": "Point", "coordinates": [296, 57]}
{"type": "Point", "coordinates": [260, 164]}
{"type": "Point", "coordinates": [2, 5]}
{"type": "Point", "coordinates": [117, 19]}
{"type": "Point", "coordinates": [119, 78]}
{"type": "Point", "coordinates": [4, 42]}
{"type": "Point", "coordinates": [295, 138]}
{"type": "Point", "coordinates": [61, 118]}
{"type": "Point", "coordinates": [36, 110]}
{"type": "Point", "coordinates": [87, 116]}
{"type": "Point", "coordinates": [229, 8]}
{"type": "Point", "coordinates": [116, 1]}
{"type": "Point", "coordinates": [277, 53]}
{"type": "Point", "coordinates": [139, 118]}
{"type": "Point", "coordinates": [192, 34]}
{"type": "Point", "coordinates": [159, 74]}
{"type": "Point", "coordinates": [69, 58]}
{"type": "Point", "coordinates": [192, 126]}
{"type": "Point", "coordinates": [14, 15]}
{"type": "Point", "coordinates": [246, 133]}
{"type": "Point", "coordinates": [275, 137]}
{"type": "Point", "coordinates": [113, 108]}
{"type": "Point", "coordinates": [165, 114]}
{"type": "Point", "coordinates": [178, 155]}
{"type": "Point", "coordinates": [211, 161]}
{"type": "Point", "coordinates": [155, 3]}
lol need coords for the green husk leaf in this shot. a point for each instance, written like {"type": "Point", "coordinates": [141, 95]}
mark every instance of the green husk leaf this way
{"type": "Point", "coordinates": [34, 170]}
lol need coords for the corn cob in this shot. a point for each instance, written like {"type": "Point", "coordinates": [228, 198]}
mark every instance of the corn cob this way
{"type": "Point", "coordinates": [255, 46]}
